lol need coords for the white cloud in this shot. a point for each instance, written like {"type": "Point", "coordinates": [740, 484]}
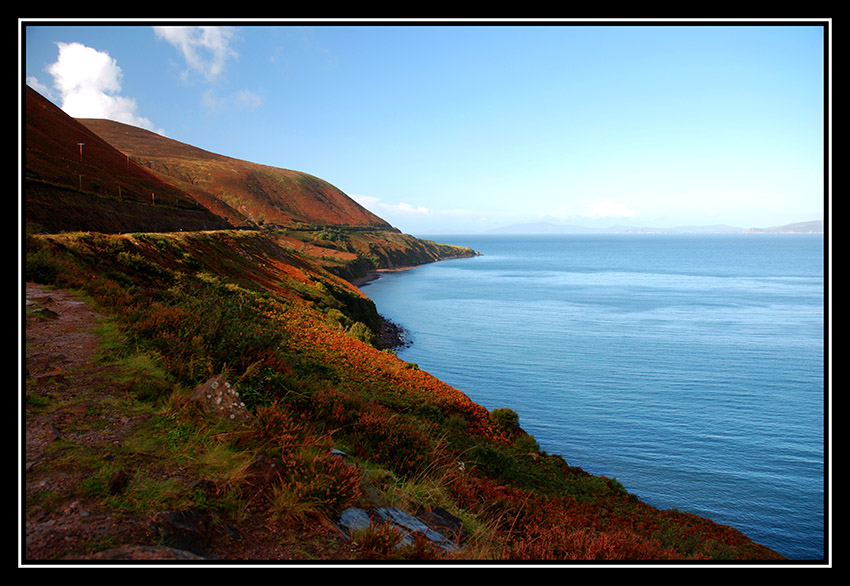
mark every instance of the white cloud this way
{"type": "Point", "coordinates": [406, 208]}
{"type": "Point", "coordinates": [212, 102]}
{"type": "Point", "coordinates": [377, 206]}
{"type": "Point", "coordinates": [35, 84]}
{"type": "Point", "coordinates": [89, 84]}
{"type": "Point", "coordinates": [206, 49]}
{"type": "Point", "coordinates": [243, 99]}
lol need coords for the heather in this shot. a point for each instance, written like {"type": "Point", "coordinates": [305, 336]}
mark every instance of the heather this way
{"type": "Point", "coordinates": [297, 342]}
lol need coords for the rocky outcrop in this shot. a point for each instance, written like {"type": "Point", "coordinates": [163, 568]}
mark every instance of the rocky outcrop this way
{"type": "Point", "coordinates": [217, 396]}
{"type": "Point", "coordinates": [356, 519]}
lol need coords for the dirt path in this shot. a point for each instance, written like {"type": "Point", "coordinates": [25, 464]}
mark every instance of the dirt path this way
{"type": "Point", "coordinates": [59, 341]}
{"type": "Point", "coordinates": [65, 406]}
{"type": "Point", "coordinates": [74, 407]}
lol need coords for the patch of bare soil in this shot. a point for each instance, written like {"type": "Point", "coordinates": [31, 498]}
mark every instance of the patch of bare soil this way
{"type": "Point", "coordinates": [71, 401]}
{"type": "Point", "coordinates": [63, 389]}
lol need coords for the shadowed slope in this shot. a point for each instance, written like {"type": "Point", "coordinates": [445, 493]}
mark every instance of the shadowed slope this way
{"type": "Point", "coordinates": [77, 181]}
{"type": "Point", "coordinates": [249, 194]}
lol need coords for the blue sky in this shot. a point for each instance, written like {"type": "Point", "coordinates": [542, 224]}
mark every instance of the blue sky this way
{"type": "Point", "coordinates": [469, 127]}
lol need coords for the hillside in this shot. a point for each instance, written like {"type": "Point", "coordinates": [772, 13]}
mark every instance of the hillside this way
{"type": "Point", "coordinates": [158, 184]}
{"type": "Point", "coordinates": [331, 447]}
{"type": "Point", "coordinates": [812, 227]}
{"type": "Point", "coordinates": [247, 194]}
{"type": "Point", "coordinates": [74, 180]}
{"type": "Point", "coordinates": [119, 442]}
{"type": "Point", "coordinates": [125, 179]}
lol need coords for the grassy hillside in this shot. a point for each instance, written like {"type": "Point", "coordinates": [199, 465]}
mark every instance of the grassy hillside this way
{"type": "Point", "coordinates": [248, 194]}
{"type": "Point", "coordinates": [135, 180]}
{"type": "Point", "coordinates": [264, 311]}
{"type": "Point", "coordinates": [104, 176]}
{"type": "Point", "coordinates": [74, 180]}
{"type": "Point", "coordinates": [201, 266]}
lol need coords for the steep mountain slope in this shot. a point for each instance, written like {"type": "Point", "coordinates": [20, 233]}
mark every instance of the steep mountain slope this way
{"type": "Point", "coordinates": [116, 445]}
{"type": "Point", "coordinates": [111, 177]}
{"type": "Point", "coordinates": [104, 176]}
{"type": "Point", "coordinates": [249, 194]}
{"type": "Point", "coordinates": [77, 181]}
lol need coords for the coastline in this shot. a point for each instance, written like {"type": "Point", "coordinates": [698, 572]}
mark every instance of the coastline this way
{"type": "Point", "coordinates": [411, 301]}
{"type": "Point", "coordinates": [375, 274]}
{"type": "Point", "coordinates": [392, 336]}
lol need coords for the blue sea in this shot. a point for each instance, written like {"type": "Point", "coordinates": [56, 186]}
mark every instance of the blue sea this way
{"type": "Point", "coordinates": [688, 367]}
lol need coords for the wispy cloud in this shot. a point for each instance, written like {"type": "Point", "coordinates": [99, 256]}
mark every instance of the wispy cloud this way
{"type": "Point", "coordinates": [243, 100]}
{"type": "Point", "coordinates": [88, 82]}
{"type": "Point", "coordinates": [377, 206]}
{"type": "Point", "coordinates": [206, 49]}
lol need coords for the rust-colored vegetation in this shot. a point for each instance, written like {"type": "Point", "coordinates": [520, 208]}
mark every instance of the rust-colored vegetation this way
{"type": "Point", "coordinates": [211, 303]}
{"type": "Point", "coordinates": [274, 310]}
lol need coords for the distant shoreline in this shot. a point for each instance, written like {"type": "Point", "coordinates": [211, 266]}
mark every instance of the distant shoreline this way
{"type": "Point", "coordinates": [375, 274]}
{"type": "Point", "coordinates": [546, 228]}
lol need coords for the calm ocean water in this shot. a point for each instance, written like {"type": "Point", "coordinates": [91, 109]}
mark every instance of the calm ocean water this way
{"type": "Point", "coordinates": [690, 368]}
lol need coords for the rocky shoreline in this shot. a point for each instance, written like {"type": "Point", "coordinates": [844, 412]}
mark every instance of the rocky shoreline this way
{"type": "Point", "coordinates": [392, 336]}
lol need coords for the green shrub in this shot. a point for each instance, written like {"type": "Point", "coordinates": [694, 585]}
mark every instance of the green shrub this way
{"type": "Point", "coordinates": [493, 461]}
{"type": "Point", "coordinates": [360, 331]}
{"type": "Point", "coordinates": [41, 267]}
{"type": "Point", "coordinates": [145, 376]}
{"type": "Point", "coordinates": [336, 315]}
{"type": "Point", "coordinates": [506, 419]}
{"type": "Point", "coordinates": [526, 443]}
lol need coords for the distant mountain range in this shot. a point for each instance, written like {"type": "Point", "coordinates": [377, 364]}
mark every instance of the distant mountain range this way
{"type": "Point", "coordinates": [812, 227]}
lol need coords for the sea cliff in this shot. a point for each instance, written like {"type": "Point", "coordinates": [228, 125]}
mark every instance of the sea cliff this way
{"type": "Point", "coordinates": [335, 424]}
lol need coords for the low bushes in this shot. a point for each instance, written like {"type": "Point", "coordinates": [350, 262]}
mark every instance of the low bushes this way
{"type": "Point", "coordinates": [307, 381]}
